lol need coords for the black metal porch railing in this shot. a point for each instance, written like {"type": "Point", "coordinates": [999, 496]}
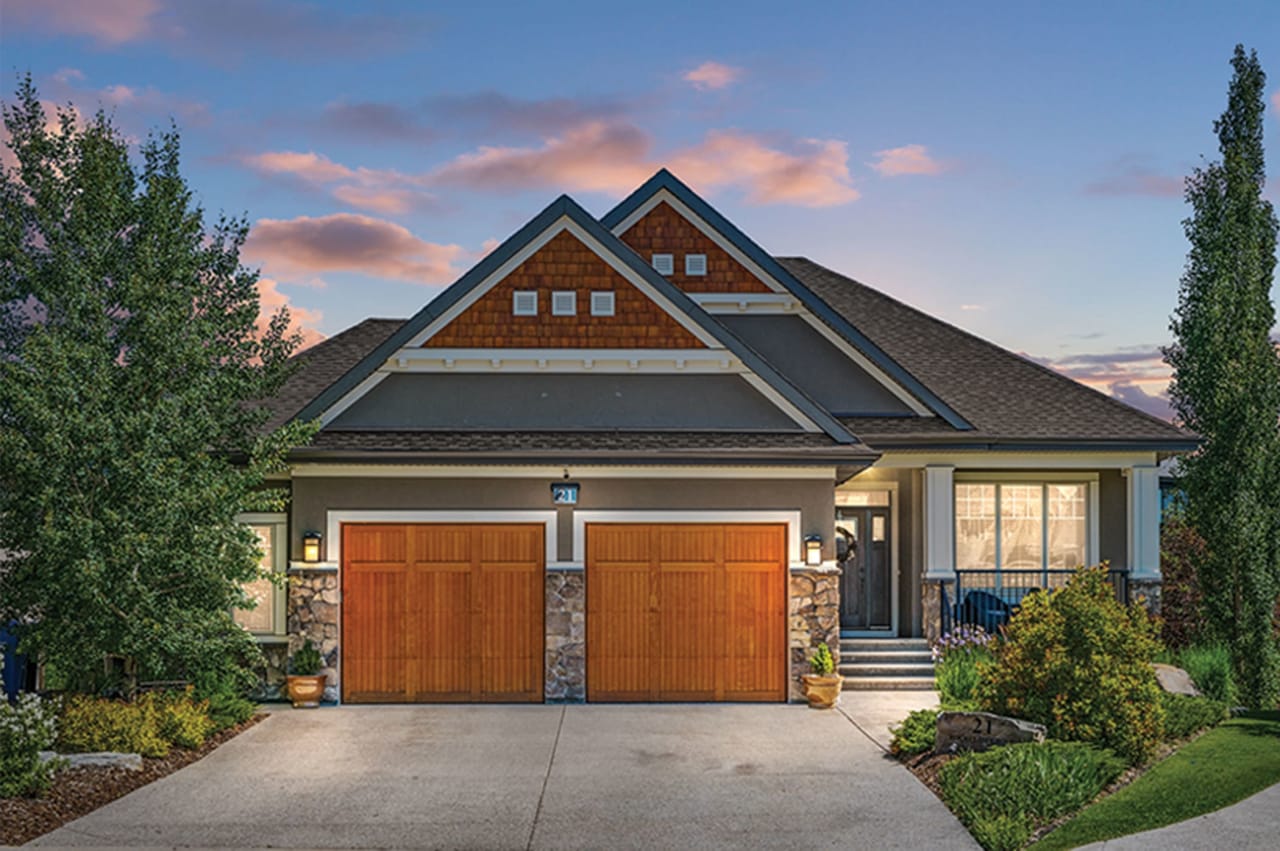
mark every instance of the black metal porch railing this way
{"type": "Point", "coordinates": [988, 598]}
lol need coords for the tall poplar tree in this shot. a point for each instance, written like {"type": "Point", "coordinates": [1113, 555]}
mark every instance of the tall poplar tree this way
{"type": "Point", "coordinates": [1226, 386]}
{"type": "Point", "coordinates": [130, 359]}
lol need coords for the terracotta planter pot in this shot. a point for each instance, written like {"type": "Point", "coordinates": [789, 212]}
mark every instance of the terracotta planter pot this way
{"type": "Point", "coordinates": [823, 692]}
{"type": "Point", "coordinates": [306, 692]}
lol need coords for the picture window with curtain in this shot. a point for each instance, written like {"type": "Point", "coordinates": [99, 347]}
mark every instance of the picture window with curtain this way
{"type": "Point", "coordinates": [1022, 525]}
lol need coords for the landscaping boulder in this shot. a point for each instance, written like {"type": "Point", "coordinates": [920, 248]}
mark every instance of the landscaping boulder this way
{"type": "Point", "coordinates": [979, 731]}
{"type": "Point", "coordinates": [1175, 680]}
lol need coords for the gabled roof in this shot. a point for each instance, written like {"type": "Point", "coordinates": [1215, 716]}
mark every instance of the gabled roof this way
{"type": "Point", "coordinates": [836, 321]}
{"type": "Point", "coordinates": [566, 207]}
{"type": "Point", "coordinates": [1009, 400]}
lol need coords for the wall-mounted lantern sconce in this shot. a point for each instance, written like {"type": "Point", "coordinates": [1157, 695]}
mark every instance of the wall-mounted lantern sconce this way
{"type": "Point", "coordinates": [813, 550]}
{"type": "Point", "coordinates": [311, 546]}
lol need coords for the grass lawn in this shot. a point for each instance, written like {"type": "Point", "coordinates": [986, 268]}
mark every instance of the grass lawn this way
{"type": "Point", "coordinates": [1225, 765]}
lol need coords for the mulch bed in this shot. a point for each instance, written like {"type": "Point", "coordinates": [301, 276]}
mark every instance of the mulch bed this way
{"type": "Point", "coordinates": [78, 791]}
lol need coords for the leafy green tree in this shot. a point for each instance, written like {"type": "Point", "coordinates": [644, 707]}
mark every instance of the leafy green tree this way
{"type": "Point", "coordinates": [130, 359]}
{"type": "Point", "coordinates": [1226, 386]}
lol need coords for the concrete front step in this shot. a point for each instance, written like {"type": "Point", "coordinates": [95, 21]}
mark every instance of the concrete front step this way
{"type": "Point", "coordinates": [861, 669]}
{"type": "Point", "coordinates": [856, 644]}
{"type": "Point", "coordinates": [886, 663]}
{"type": "Point", "coordinates": [888, 656]}
{"type": "Point", "coordinates": [887, 683]}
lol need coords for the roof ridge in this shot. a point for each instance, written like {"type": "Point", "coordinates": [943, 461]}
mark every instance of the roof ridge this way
{"type": "Point", "coordinates": [988, 344]}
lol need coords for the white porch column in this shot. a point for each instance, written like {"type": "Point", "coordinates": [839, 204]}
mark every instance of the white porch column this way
{"type": "Point", "coordinates": [1144, 522]}
{"type": "Point", "coordinates": [939, 523]}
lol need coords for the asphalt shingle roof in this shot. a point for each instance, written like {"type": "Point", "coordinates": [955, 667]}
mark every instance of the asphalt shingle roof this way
{"type": "Point", "coordinates": [1004, 396]}
{"type": "Point", "coordinates": [1007, 398]}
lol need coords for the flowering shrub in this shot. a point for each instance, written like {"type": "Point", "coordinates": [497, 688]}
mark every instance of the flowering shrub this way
{"type": "Point", "coordinates": [1078, 661]}
{"type": "Point", "coordinates": [957, 656]}
{"type": "Point", "coordinates": [26, 729]}
{"type": "Point", "coordinates": [963, 639]}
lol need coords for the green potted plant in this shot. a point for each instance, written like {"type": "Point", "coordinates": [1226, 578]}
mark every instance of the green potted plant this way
{"type": "Point", "coordinates": [306, 683]}
{"type": "Point", "coordinates": [824, 685]}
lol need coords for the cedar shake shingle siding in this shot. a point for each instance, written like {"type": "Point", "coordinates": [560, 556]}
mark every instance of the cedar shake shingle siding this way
{"type": "Point", "coordinates": [664, 231]}
{"type": "Point", "coordinates": [564, 263]}
{"type": "Point", "coordinates": [1005, 396]}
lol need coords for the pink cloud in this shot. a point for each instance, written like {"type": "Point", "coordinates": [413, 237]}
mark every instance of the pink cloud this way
{"type": "Point", "coordinates": [302, 320]}
{"type": "Point", "coordinates": [310, 166]}
{"type": "Point", "coordinates": [384, 191]}
{"type": "Point", "coordinates": [908, 159]}
{"type": "Point", "coordinates": [616, 157]}
{"type": "Point", "coordinates": [1275, 100]}
{"type": "Point", "coordinates": [816, 176]}
{"type": "Point", "coordinates": [346, 242]}
{"type": "Point", "coordinates": [109, 22]}
{"type": "Point", "coordinates": [712, 75]}
{"type": "Point", "coordinates": [1134, 175]}
{"type": "Point", "coordinates": [596, 157]}
{"type": "Point", "coordinates": [1135, 375]}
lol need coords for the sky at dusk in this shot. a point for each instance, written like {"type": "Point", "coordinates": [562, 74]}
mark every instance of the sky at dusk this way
{"type": "Point", "coordinates": [1013, 168]}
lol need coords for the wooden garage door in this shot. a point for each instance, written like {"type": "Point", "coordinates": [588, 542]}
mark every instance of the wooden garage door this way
{"type": "Point", "coordinates": [435, 612]}
{"type": "Point", "coordinates": [686, 611]}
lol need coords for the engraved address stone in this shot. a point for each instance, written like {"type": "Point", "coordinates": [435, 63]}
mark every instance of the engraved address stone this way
{"type": "Point", "coordinates": [979, 731]}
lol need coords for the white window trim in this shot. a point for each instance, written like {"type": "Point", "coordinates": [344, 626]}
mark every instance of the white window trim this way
{"type": "Point", "coordinates": [558, 297]}
{"type": "Point", "coordinates": [1091, 520]}
{"type": "Point", "coordinates": [612, 299]}
{"type": "Point", "coordinates": [515, 302]}
{"type": "Point", "coordinates": [279, 524]}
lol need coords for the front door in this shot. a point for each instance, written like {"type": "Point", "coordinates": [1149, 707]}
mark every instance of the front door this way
{"type": "Point", "coordinates": [866, 585]}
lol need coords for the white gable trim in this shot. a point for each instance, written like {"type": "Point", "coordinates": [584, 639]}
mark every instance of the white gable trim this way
{"type": "Point", "coordinates": [352, 396]}
{"type": "Point", "coordinates": [564, 223]}
{"type": "Point", "coordinates": [782, 300]}
{"type": "Point", "coordinates": [662, 195]}
{"type": "Point", "coordinates": [674, 361]}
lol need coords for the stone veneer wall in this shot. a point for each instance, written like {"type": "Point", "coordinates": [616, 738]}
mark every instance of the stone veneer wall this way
{"type": "Point", "coordinates": [313, 613]}
{"type": "Point", "coordinates": [1146, 591]}
{"type": "Point", "coordinates": [814, 618]}
{"type": "Point", "coordinates": [566, 644]}
{"type": "Point", "coordinates": [931, 607]}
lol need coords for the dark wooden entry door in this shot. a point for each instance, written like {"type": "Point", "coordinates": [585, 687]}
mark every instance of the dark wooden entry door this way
{"type": "Point", "coordinates": [866, 587]}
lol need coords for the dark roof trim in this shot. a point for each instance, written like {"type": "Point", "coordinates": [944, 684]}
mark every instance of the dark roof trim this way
{"type": "Point", "coordinates": [666, 180]}
{"type": "Point", "coordinates": [764, 458]}
{"type": "Point", "coordinates": [1083, 445]}
{"type": "Point", "coordinates": [566, 207]}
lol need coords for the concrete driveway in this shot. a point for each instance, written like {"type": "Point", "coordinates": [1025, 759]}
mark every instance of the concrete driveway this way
{"type": "Point", "coordinates": [622, 776]}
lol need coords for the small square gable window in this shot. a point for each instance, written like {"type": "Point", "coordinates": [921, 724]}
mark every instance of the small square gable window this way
{"type": "Point", "coordinates": [602, 303]}
{"type": "Point", "coordinates": [524, 303]}
{"type": "Point", "coordinates": [664, 264]}
{"type": "Point", "coordinates": [695, 264]}
{"type": "Point", "coordinates": [564, 303]}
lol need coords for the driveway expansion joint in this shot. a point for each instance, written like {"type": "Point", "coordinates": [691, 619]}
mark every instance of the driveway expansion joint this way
{"type": "Point", "coordinates": [533, 828]}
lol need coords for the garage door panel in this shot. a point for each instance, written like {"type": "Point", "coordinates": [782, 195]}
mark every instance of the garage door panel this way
{"type": "Point", "coordinates": [376, 543]}
{"type": "Point", "coordinates": [510, 622]}
{"type": "Point", "coordinates": [619, 617]}
{"type": "Point", "coordinates": [683, 623]}
{"type": "Point", "coordinates": [375, 602]}
{"type": "Point", "coordinates": [452, 627]}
